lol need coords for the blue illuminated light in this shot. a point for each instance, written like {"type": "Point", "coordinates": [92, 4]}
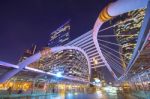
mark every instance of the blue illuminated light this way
{"type": "Point", "coordinates": [70, 95]}
{"type": "Point", "coordinates": [97, 80]}
{"type": "Point", "coordinates": [59, 74]}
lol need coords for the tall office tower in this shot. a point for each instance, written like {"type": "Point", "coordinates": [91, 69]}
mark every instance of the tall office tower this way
{"type": "Point", "coordinates": [60, 36]}
{"type": "Point", "coordinates": [127, 31]}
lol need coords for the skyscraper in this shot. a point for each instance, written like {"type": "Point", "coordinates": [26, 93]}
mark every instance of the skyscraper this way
{"type": "Point", "coordinates": [127, 31]}
{"type": "Point", "coordinates": [60, 36]}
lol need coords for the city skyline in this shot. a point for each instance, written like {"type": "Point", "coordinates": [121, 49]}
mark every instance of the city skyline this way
{"type": "Point", "coordinates": [30, 22]}
{"type": "Point", "coordinates": [75, 49]}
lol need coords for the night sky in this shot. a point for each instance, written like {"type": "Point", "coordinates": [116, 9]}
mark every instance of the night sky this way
{"type": "Point", "coordinates": [27, 22]}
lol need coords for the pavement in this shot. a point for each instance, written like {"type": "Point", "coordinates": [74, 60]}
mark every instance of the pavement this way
{"type": "Point", "coordinates": [77, 95]}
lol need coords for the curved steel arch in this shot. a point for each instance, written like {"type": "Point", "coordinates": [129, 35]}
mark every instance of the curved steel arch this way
{"type": "Point", "coordinates": [40, 54]}
{"type": "Point", "coordinates": [114, 9]}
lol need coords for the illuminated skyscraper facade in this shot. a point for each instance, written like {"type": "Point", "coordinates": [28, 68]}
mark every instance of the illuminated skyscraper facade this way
{"type": "Point", "coordinates": [127, 31]}
{"type": "Point", "coordinates": [60, 36]}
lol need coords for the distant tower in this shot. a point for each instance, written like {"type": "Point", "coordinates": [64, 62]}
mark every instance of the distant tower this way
{"type": "Point", "coordinates": [28, 52]}
{"type": "Point", "coordinates": [95, 72]}
{"type": "Point", "coordinates": [60, 36]}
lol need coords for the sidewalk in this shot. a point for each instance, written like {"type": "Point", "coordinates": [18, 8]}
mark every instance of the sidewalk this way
{"type": "Point", "coordinates": [142, 94]}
